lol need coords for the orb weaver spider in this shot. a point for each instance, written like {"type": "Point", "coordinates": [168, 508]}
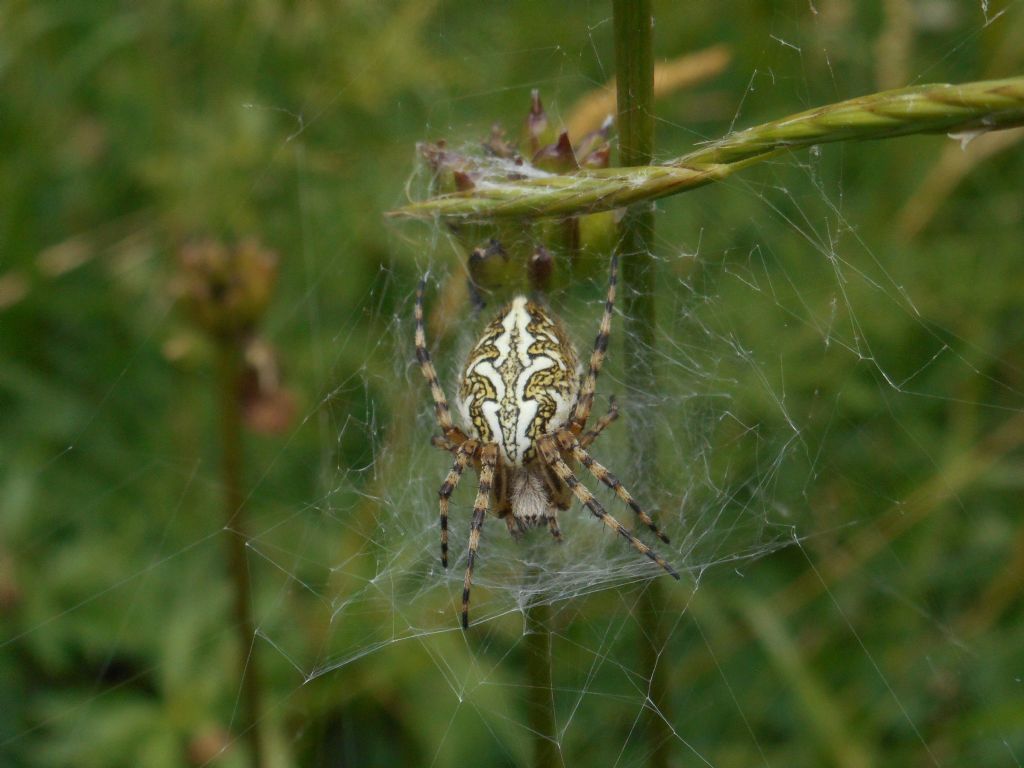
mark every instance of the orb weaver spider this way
{"type": "Point", "coordinates": [525, 404]}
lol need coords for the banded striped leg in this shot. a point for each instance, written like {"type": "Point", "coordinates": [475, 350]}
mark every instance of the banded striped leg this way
{"type": "Point", "coordinates": [462, 456]}
{"type": "Point", "coordinates": [442, 442]}
{"type": "Point", "coordinates": [570, 444]}
{"type": "Point", "coordinates": [586, 398]}
{"type": "Point", "coordinates": [502, 503]}
{"type": "Point", "coordinates": [561, 498]}
{"type": "Point", "coordinates": [552, 518]}
{"type": "Point", "coordinates": [549, 451]}
{"type": "Point", "coordinates": [593, 433]}
{"type": "Point", "coordinates": [444, 417]}
{"type": "Point", "coordinates": [488, 460]}
{"type": "Point", "coordinates": [514, 529]}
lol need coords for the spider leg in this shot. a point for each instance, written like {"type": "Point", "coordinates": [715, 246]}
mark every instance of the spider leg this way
{"type": "Point", "coordinates": [549, 451]}
{"type": "Point", "coordinates": [586, 396]}
{"type": "Point", "coordinates": [462, 456]}
{"type": "Point", "coordinates": [514, 529]}
{"type": "Point", "coordinates": [502, 504]}
{"type": "Point", "coordinates": [444, 417]}
{"type": "Point", "coordinates": [488, 461]}
{"type": "Point", "coordinates": [592, 434]}
{"type": "Point", "coordinates": [552, 517]}
{"type": "Point", "coordinates": [570, 444]}
{"type": "Point", "coordinates": [561, 498]}
{"type": "Point", "coordinates": [442, 442]}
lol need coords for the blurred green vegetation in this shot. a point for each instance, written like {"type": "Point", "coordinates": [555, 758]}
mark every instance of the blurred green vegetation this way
{"type": "Point", "coordinates": [839, 366]}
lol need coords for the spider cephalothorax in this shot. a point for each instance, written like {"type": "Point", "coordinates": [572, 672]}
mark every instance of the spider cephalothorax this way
{"type": "Point", "coordinates": [525, 404]}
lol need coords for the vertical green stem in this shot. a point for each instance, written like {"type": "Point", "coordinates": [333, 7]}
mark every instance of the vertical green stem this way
{"type": "Point", "coordinates": [634, 80]}
{"type": "Point", "coordinates": [229, 363]}
{"type": "Point", "coordinates": [634, 61]}
{"type": "Point", "coordinates": [541, 705]}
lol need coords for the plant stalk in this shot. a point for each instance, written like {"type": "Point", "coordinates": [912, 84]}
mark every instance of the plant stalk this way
{"type": "Point", "coordinates": [230, 370]}
{"type": "Point", "coordinates": [634, 60]}
{"type": "Point", "coordinates": [965, 108]}
{"type": "Point", "coordinates": [541, 703]}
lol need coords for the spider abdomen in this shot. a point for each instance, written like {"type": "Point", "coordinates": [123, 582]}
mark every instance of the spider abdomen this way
{"type": "Point", "coordinates": [520, 382]}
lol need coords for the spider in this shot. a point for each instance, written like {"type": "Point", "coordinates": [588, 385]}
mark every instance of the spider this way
{"type": "Point", "coordinates": [525, 404]}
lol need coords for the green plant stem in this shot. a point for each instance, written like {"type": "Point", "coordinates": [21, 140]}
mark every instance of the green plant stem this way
{"type": "Point", "coordinates": [977, 106]}
{"type": "Point", "coordinates": [941, 108]}
{"type": "Point", "coordinates": [634, 80]}
{"type": "Point", "coordinates": [230, 369]}
{"type": "Point", "coordinates": [541, 702]}
{"type": "Point", "coordinates": [634, 60]}
{"type": "Point", "coordinates": [565, 195]}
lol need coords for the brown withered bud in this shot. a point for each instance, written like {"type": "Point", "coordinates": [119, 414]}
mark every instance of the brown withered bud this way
{"type": "Point", "coordinates": [558, 157]}
{"type": "Point", "coordinates": [510, 256]}
{"type": "Point", "coordinates": [599, 158]}
{"type": "Point", "coordinates": [536, 122]}
{"type": "Point", "coordinates": [226, 289]}
{"type": "Point", "coordinates": [593, 149]}
{"type": "Point", "coordinates": [498, 145]}
{"type": "Point", "coordinates": [267, 406]}
{"type": "Point", "coordinates": [540, 268]}
{"type": "Point", "coordinates": [463, 181]}
{"type": "Point", "coordinates": [451, 170]}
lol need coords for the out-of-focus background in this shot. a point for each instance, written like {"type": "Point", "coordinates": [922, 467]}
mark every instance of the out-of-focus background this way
{"type": "Point", "coordinates": [839, 403]}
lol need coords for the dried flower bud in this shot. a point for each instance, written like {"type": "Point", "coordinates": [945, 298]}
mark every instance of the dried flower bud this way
{"type": "Point", "coordinates": [595, 140]}
{"type": "Point", "coordinates": [558, 157]}
{"type": "Point", "coordinates": [451, 171]}
{"type": "Point", "coordinates": [593, 150]}
{"type": "Point", "coordinates": [226, 289]}
{"type": "Point", "coordinates": [598, 158]}
{"type": "Point", "coordinates": [267, 406]}
{"type": "Point", "coordinates": [512, 256]}
{"type": "Point", "coordinates": [536, 123]}
{"type": "Point", "coordinates": [498, 145]}
{"type": "Point", "coordinates": [540, 268]}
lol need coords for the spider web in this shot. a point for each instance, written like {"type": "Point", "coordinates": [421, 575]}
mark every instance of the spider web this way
{"type": "Point", "coordinates": [836, 420]}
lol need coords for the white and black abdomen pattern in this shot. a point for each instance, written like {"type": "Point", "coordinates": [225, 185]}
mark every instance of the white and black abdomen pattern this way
{"type": "Point", "coordinates": [520, 382]}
